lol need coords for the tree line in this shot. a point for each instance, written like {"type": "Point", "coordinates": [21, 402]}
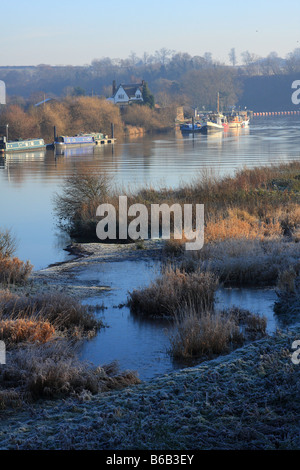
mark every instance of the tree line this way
{"type": "Point", "coordinates": [80, 114]}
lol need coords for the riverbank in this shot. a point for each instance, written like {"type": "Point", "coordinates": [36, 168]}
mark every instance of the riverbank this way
{"type": "Point", "coordinates": [246, 400]}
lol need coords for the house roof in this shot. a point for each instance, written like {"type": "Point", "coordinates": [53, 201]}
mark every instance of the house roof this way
{"type": "Point", "coordinates": [130, 89]}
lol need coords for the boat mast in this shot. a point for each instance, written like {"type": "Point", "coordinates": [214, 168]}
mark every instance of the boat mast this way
{"type": "Point", "coordinates": [218, 102]}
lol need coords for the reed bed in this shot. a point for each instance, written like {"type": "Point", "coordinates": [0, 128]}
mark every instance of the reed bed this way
{"type": "Point", "coordinates": [53, 370]}
{"type": "Point", "coordinates": [255, 203]}
{"type": "Point", "coordinates": [203, 335]}
{"type": "Point", "coordinates": [63, 313]}
{"type": "Point", "coordinates": [171, 290]}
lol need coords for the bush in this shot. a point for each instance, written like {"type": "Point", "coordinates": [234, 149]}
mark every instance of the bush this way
{"type": "Point", "coordinates": [7, 244]}
{"type": "Point", "coordinates": [76, 207]}
{"type": "Point", "coordinates": [14, 271]}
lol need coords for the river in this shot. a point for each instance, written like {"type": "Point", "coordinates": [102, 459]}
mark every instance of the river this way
{"type": "Point", "coordinates": [28, 182]}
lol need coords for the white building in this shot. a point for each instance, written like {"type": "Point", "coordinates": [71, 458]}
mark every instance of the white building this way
{"type": "Point", "coordinates": [2, 93]}
{"type": "Point", "coordinates": [124, 94]}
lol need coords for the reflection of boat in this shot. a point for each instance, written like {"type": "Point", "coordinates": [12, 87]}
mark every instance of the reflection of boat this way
{"type": "Point", "coordinates": [8, 146]}
{"type": "Point", "coordinates": [190, 127]}
{"type": "Point", "coordinates": [71, 151]}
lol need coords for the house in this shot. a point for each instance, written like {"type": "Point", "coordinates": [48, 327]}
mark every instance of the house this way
{"type": "Point", "coordinates": [125, 94]}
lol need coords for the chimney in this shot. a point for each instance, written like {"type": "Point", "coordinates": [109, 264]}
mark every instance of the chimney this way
{"type": "Point", "coordinates": [114, 88]}
{"type": "Point", "coordinates": [143, 82]}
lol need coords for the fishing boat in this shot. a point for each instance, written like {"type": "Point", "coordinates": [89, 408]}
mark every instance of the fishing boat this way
{"type": "Point", "coordinates": [190, 127]}
{"type": "Point", "coordinates": [215, 123]}
{"type": "Point", "coordinates": [8, 146]}
{"type": "Point", "coordinates": [237, 120]}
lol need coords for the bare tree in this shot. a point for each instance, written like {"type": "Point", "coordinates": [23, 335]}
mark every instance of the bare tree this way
{"type": "Point", "coordinates": [232, 56]}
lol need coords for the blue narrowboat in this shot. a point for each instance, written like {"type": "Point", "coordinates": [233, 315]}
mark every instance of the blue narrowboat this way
{"type": "Point", "coordinates": [7, 146]}
{"type": "Point", "coordinates": [77, 140]}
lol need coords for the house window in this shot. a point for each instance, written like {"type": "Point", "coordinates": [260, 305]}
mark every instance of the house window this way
{"type": "Point", "coordinates": [121, 97]}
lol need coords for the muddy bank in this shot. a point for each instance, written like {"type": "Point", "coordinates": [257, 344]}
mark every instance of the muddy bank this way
{"type": "Point", "coordinates": [61, 277]}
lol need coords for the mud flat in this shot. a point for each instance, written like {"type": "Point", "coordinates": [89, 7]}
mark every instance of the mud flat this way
{"type": "Point", "coordinates": [61, 277]}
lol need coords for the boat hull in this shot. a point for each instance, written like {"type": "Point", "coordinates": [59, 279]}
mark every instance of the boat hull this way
{"type": "Point", "coordinates": [29, 145]}
{"type": "Point", "coordinates": [210, 127]}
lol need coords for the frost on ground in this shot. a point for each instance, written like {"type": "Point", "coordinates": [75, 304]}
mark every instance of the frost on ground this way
{"type": "Point", "coordinates": [248, 399]}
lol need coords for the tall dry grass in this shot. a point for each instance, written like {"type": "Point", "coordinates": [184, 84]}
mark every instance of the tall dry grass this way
{"type": "Point", "coordinates": [53, 370]}
{"type": "Point", "coordinates": [61, 312]}
{"type": "Point", "coordinates": [171, 290]}
{"type": "Point", "coordinates": [206, 334]}
{"type": "Point", "coordinates": [241, 261]}
{"type": "Point", "coordinates": [12, 269]}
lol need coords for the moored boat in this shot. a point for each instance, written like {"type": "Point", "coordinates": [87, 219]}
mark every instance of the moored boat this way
{"type": "Point", "coordinates": [190, 127]}
{"type": "Point", "coordinates": [237, 120]}
{"type": "Point", "coordinates": [8, 146]}
{"type": "Point", "coordinates": [215, 123]}
{"type": "Point", "coordinates": [77, 140]}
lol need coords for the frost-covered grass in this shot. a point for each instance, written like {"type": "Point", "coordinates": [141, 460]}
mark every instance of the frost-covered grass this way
{"type": "Point", "coordinates": [247, 400]}
{"type": "Point", "coordinates": [207, 334]}
{"type": "Point", "coordinates": [171, 290]}
{"type": "Point", "coordinates": [53, 370]}
{"type": "Point", "coordinates": [62, 312]}
{"type": "Point", "coordinates": [240, 262]}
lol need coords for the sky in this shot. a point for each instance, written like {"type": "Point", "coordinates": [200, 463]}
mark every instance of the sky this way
{"type": "Point", "coordinates": [73, 32]}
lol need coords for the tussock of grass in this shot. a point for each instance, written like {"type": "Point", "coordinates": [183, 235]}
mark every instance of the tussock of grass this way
{"type": "Point", "coordinates": [287, 307]}
{"type": "Point", "coordinates": [53, 370]}
{"type": "Point", "coordinates": [13, 270]}
{"type": "Point", "coordinates": [240, 224]}
{"type": "Point", "coordinates": [240, 262]}
{"type": "Point", "coordinates": [206, 334]}
{"type": "Point", "coordinates": [62, 312]}
{"type": "Point", "coordinates": [20, 330]}
{"type": "Point", "coordinates": [172, 289]}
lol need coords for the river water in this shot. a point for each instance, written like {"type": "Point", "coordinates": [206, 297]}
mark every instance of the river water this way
{"type": "Point", "coordinates": [28, 182]}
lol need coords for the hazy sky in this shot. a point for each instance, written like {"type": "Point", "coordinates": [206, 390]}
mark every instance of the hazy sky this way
{"type": "Point", "coordinates": [73, 32]}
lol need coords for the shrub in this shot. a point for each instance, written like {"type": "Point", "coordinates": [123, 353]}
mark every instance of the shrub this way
{"type": "Point", "coordinates": [14, 271]}
{"type": "Point", "coordinates": [76, 207]}
{"type": "Point", "coordinates": [7, 244]}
